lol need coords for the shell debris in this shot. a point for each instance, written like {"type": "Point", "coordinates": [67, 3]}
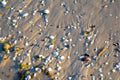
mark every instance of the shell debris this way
{"type": "Point", "coordinates": [101, 51]}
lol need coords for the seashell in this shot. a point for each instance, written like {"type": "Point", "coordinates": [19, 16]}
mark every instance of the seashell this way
{"type": "Point", "coordinates": [24, 15]}
{"type": "Point", "coordinates": [1, 14]}
{"type": "Point", "coordinates": [101, 51]}
{"type": "Point", "coordinates": [22, 65]}
{"type": "Point", "coordinates": [28, 77]}
{"type": "Point", "coordinates": [55, 53]}
{"type": "Point", "coordinates": [48, 71]}
{"type": "Point", "coordinates": [85, 58]}
{"type": "Point", "coordinates": [61, 57]}
{"type": "Point", "coordinates": [26, 43]}
{"type": "Point", "coordinates": [6, 46]}
{"type": "Point", "coordinates": [51, 37]}
{"type": "Point", "coordinates": [58, 68]}
{"type": "Point", "coordinates": [17, 49]}
{"type": "Point", "coordinates": [52, 41]}
{"type": "Point", "coordinates": [46, 11]}
{"type": "Point", "coordinates": [4, 3]}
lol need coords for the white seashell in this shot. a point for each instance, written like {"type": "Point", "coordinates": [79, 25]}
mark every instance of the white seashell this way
{"type": "Point", "coordinates": [113, 70]}
{"type": "Point", "coordinates": [49, 69]}
{"type": "Point", "coordinates": [9, 18]}
{"type": "Point", "coordinates": [34, 74]}
{"type": "Point", "coordinates": [27, 54]}
{"type": "Point", "coordinates": [70, 78]}
{"type": "Point", "coordinates": [100, 69]}
{"type": "Point", "coordinates": [28, 77]}
{"type": "Point", "coordinates": [93, 77]}
{"type": "Point", "coordinates": [29, 63]}
{"type": "Point", "coordinates": [4, 3]}
{"type": "Point", "coordinates": [24, 15]}
{"type": "Point", "coordinates": [13, 58]}
{"type": "Point", "coordinates": [47, 11]}
{"type": "Point", "coordinates": [20, 11]}
{"type": "Point", "coordinates": [51, 46]}
{"type": "Point", "coordinates": [101, 75]}
{"type": "Point", "coordinates": [55, 53]}
{"type": "Point", "coordinates": [70, 39]}
{"type": "Point", "coordinates": [61, 57]}
{"type": "Point", "coordinates": [51, 37]}
{"type": "Point", "coordinates": [58, 68]}
{"type": "Point", "coordinates": [21, 61]}
{"type": "Point", "coordinates": [26, 43]}
{"type": "Point", "coordinates": [14, 21]}
{"type": "Point", "coordinates": [37, 69]}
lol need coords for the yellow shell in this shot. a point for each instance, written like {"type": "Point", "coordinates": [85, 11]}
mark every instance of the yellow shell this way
{"type": "Point", "coordinates": [0, 14]}
{"type": "Point", "coordinates": [52, 41]}
{"type": "Point", "coordinates": [6, 46]}
{"type": "Point", "coordinates": [102, 50]}
{"type": "Point", "coordinates": [7, 7]}
{"type": "Point", "coordinates": [23, 65]}
{"type": "Point", "coordinates": [17, 49]}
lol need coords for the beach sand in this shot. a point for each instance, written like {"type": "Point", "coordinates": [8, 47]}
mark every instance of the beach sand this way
{"type": "Point", "coordinates": [67, 22]}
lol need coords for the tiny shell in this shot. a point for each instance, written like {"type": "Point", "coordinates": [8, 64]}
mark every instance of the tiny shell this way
{"type": "Point", "coordinates": [47, 11]}
{"type": "Point", "coordinates": [101, 51]}
{"type": "Point", "coordinates": [6, 46]}
{"type": "Point", "coordinates": [55, 53]}
{"type": "Point", "coordinates": [51, 37]}
{"type": "Point", "coordinates": [61, 57]}
{"type": "Point", "coordinates": [26, 43]}
{"type": "Point", "coordinates": [4, 3]}
{"type": "Point", "coordinates": [58, 68]}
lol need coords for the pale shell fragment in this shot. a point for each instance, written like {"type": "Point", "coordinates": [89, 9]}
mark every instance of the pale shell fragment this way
{"type": "Point", "coordinates": [47, 11]}
{"type": "Point", "coordinates": [49, 69]}
{"type": "Point", "coordinates": [51, 37]}
{"type": "Point", "coordinates": [4, 3]}
{"type": "Point", "coordinates": [61, 57]}
{"type": "Point", "coordinates": [55, 53]}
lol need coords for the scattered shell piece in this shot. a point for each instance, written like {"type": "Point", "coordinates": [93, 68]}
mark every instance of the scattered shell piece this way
{"type": "Point", "coordinates": [58, 68]}
{"type": "Point", "coordinates": [28, 77]}
{"type": "Point", "coordinates": [1, 14]}
{"type": "Point", "coordinates": [52, 41]}
{"type": "Point", "coordinates": [52, 37]}
{"type": "Point", "coordinates": [22, 65]}
{"type": "Point", "coordinates": [113, 70]}
{"type": "Point", "coordinates": [50, 46]}
{"type": "Point", "coordinates": [93, 77]}
{"type": "Point", "coordinates": [101, 51]}
{"type": "Point", "coordinates": [46, 11]}
{"type": "Point", "coordinates": [48, 71]}
{"type": "Point", "coordinates": [24, 15]}
{"type": "Point", "coordinates": [4, 3]}
{"type": "Point", "coordinates": [20, 11]}
{"type": "Point", "coordinates": [55, 53]}
{"type": "Point", "coordinates": [85, 58]}
{"type": "Point", "coordinates": [100, 69]}
{"type": "Point", "coordinates": [61, 57]}
{"type": "Point", "coordinates": [26, 43]}
{"type": "Point", "coordinates": [6, 46]}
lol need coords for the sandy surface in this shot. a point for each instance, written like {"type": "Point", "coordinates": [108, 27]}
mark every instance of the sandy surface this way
{"type": "Point", "coordinates": [34, 28]}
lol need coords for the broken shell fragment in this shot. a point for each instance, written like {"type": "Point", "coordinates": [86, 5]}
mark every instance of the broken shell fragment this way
{"type": "Point", "coordinates": [6, 46]}
{"type": "Point", "coordinates": [48, 71]}
{"type": "Point", "coordinates": [85, 58]}
{"type": "Point", "coordinates": [22, 65]}
{"type": "Point", "coordinates": [101, 51]}
{"type": "Point", "coordinates": [23, 15]}
{"type": "Point", "coordinates": [61, 57]}
{"type": "Point", "coordinates": [4, 3]}
{"type": "Point", "coordinates": [51, 37]}
{"type": "Point", "coordinates": [47, 11]}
